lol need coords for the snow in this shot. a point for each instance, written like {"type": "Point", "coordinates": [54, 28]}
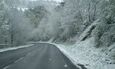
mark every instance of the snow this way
{"type": "Point", "coordinates": [86, 32]}
{"type": "Point", "coordinates": [14, 48]}
{"type": "Point", "coordinates": [54, 0]}
{"type": "Point", "coordinates": [85, 53]}
{"type": "Point", "coordinates": [65, 65]}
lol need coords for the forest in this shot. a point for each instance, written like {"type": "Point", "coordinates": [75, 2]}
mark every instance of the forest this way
{"type": "Point", "coordinates": [67, 21]}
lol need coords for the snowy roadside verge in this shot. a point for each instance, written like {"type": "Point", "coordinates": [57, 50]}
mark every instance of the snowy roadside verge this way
{"type": "Point", "coordinates": [64, 51]}
{"type": "Point", "coordinates": [86, 54]}
{"type": "Point", "coordinates": [68, 54]}
{"type": "Point", "coordinates": [14, 48]}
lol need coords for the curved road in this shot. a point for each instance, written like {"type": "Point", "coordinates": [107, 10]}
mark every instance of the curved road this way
{"type": "Point", "coordinates": [39, 56]}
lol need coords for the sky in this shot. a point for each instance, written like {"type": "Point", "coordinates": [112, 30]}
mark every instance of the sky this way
{"type": "Point", "coordinates": [56, 0]}
{"type": "Point", "coordinates": [50, 0]}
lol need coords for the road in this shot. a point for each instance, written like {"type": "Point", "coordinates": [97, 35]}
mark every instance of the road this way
{"type": "Point", "coordinates": [39, 56]}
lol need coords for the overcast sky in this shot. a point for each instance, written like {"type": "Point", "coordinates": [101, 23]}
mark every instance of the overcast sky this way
{"type": "Point", "coordinates": [50, 0]}
{"type": "Point", "coordinates": [57, 0]}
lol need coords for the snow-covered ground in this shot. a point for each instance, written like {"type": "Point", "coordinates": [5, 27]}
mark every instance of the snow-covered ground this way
{"type": "Point", "coordinates": [85, 53]}
{"type": "Point", "coordinates": [14, 48]}
{"type": "Point", "coordinates": [80, 53]}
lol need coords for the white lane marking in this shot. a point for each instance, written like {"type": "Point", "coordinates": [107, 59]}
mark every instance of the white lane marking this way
{"type": "Point", "coordinates": [65, 65]}
{"type": "Point", "coordinates": [19, 59]}
{"type": "Point", "coordinates": [13, 63]}
{"type": "Point", "coordinates": [6, 67]}
{"type": "Point", "coordinates": [22, 58]}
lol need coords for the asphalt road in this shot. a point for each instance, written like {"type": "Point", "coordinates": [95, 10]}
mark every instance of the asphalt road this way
{"type": "Point", "coordinates": [39, 56]}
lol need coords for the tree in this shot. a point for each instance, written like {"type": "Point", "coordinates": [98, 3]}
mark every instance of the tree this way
{"type": "Point", "coordinates": [36, 15]}
{"type": "Point", "coordinates": [20, 27]}
{"type": "Point", "coordinates": [4, 24]}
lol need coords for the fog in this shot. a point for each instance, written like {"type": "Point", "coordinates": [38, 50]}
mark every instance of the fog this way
{"type": "Point", "coordinates": [58, 21]}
